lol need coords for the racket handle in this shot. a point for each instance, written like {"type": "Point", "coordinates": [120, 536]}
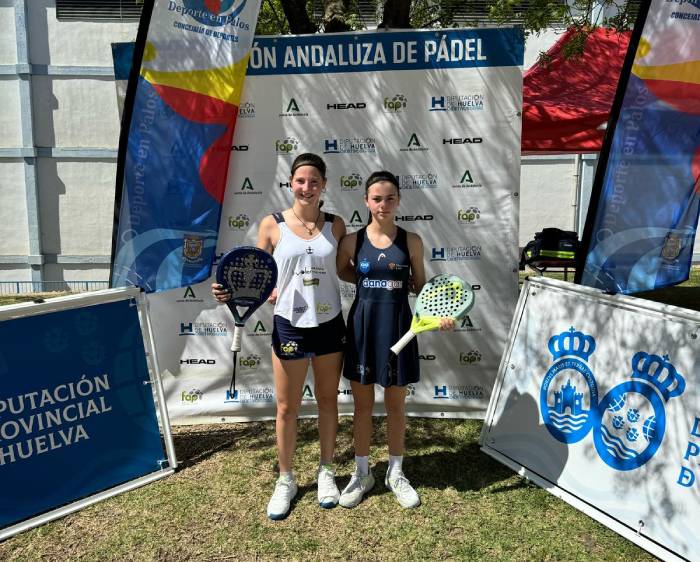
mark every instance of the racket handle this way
{"type": "Point", "coordinates": [403, 342]}
{"type": "Point", "coordinates": [237, 334]}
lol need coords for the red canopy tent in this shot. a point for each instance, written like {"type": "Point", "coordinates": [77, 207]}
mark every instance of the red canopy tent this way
{"type": "Point", "coordinates": [566, 104]}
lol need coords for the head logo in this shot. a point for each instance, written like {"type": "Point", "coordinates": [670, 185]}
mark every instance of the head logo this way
{"type": "Point", "coordinates": [238, 222]}
{"type": "Point", "coordinates": [286, 145]}
{"type": "Point", "coordinates": [350, 182]}
{"type": "Point", "coordinates": [395, 104]}
{"type": "Point", "coordinates": [213, 12]}
{"type": "Point", "coordinates": [468, 216]}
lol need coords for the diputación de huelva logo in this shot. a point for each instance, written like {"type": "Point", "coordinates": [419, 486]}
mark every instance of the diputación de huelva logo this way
{"type": "Point", "coordinates": [569, 392]}
{"type": "Point", "coordinates": [631, 417]}
{"type": "Point", "coordinates": [628, 423]}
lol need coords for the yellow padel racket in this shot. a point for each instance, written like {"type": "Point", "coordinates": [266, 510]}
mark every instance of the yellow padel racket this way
{"type": "Point", "coordinates": [443, 296]}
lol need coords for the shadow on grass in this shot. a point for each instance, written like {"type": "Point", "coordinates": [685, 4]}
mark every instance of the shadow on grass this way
{"type": "Point", "coordinates": [194, 444]}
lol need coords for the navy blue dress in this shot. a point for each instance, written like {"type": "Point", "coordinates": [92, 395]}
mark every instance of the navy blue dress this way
{"type": "Point", "coordinates": [380, 315]}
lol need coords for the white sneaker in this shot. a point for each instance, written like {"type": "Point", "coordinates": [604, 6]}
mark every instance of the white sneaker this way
{"type": "Point", "coordinates": [328, 493]}
{"type": "Point", "coordinates": [402, 489]}
{"type": "Point", "coordinates": [285, 490]}
{"type": "Point", "coordinates": [356, 489]}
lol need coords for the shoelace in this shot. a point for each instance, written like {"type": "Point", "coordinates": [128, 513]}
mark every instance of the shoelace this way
{"type": "Point", "coordinates": [401, 483]}
{"type": "Point", "coordinates": [286, 484]}
{"type": "Point", "coordinates": [326, 478]}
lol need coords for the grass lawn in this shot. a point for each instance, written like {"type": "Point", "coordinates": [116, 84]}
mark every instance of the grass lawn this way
{"type": "Point", "coordinates": [213, 507]}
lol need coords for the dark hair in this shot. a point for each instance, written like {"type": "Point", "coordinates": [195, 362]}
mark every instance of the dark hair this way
{"type": "Point", "coordinates": [309, 159]}
{"type": "Point", "coordinates": [382, 175]}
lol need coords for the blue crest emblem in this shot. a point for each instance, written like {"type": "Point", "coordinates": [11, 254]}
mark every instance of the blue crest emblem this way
{"type": "Point", "coordinates": [364, 265]}
{"type": "Point", "coordinates": [631, 418]}
{"type": "Point", "coordinates": [569, 393]}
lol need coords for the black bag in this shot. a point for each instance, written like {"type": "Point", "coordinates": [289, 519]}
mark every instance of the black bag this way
{"type": "Point", "coordinates": [552, 244]}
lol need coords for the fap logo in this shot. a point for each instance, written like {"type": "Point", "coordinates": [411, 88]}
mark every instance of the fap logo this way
{"type": "Point", "coordinates": [286, 145]}
{"type": "Point", "coordinates": [395, 104]}
{"type": "Point", "coordinates": [468, 216]}
{"type": "Point", "coordinates": [631, 419]}
{"type": "Point", "coordinates": [350, 182]}
{"type": "Point", "coordinates": [239, 222]}
{"type": "Point", "coordinates": [569, 392]}
{"type": "Point", "coordinates": [469, 358]}
{"type": "Point", "coordinates": [249, 362]}
{"type": "Point", "coordinates": [191, 396]}
{"type": "Point", "coordinates": [213, 12]}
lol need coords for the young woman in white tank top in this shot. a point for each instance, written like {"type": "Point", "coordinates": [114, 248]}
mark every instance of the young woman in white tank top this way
{"type": "Point", "coordinates": [308, 324]}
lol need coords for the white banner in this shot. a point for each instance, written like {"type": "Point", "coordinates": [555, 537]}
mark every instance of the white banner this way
{"type": "Point", "coordinates": [441, 110]}
{"type": "Point", "coordinates": [597, 401]}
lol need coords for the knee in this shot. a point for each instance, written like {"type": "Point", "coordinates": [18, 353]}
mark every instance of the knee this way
{"type": "Point", "coordinates": [327, 402]}
{"type": "Point", "coordinates": [286, 412]}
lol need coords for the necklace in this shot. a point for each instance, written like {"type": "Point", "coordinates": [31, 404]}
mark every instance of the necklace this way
{"type": "Point", "coordinates": [313, 226]}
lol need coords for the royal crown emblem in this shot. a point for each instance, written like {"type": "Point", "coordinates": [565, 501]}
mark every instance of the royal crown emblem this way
{"type": "Point", "coordinates": [659, 372]}
{"type": "Point", "coordinates": [571, 343]}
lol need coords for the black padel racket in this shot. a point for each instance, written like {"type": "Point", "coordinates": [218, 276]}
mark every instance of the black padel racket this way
{"type": "Point", "coordinates": [250, 274]}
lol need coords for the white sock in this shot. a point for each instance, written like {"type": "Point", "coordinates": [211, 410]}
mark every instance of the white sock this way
{"type": "Point", "coordinates": [395, 463]}
{"type": "Point", "coordinates": [362, 465]}
{"type": "Point", "coordinates": [289, 476]}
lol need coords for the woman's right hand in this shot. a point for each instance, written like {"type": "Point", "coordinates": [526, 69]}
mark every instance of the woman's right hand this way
{"type": "Point", "coordinates": [219, 293]}
{"type": "Point", "coordinates": [272, 299]}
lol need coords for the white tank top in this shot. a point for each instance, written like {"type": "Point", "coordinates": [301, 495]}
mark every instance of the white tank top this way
{"type": "Point", "coordinates": [308, 292]}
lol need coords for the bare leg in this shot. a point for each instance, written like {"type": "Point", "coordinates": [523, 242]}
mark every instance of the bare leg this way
{"type": "Point", "coordinates": [326, 378]}
{"type": "Point", "coordinates": [363, 397]}
{"type": "Point", "coordinates": [289, 384]}
{"type": "Point", "coordinates": [395, 404]}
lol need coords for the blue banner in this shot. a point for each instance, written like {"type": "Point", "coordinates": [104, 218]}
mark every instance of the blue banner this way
{"type": "Point", "coordinates": [641, 227]}
{"type": "Point", "coordinates": [179, 116]}
{"type": "Point", "coordinates": [77, 414]}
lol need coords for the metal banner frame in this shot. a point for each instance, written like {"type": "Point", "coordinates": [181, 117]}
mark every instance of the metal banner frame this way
{"type": "Point", "coordinates": [168, 465]}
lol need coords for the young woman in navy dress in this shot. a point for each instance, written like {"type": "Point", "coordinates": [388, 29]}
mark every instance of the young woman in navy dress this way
{"type": "Point", "coordinates": [308, 324]}
{"type": "Point", "coordinates": [382, 259]}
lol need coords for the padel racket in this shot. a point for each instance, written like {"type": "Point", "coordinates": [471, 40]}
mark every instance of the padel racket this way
{"type": "Point", "coordinates": [442, 296]}
{"type": "Point", "coordinates": [250, 274]}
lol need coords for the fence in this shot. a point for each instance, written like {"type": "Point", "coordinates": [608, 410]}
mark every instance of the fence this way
{"type": "Point", "coordinates": [23, 287]}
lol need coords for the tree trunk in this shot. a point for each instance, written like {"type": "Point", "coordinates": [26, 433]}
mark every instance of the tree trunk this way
{"type": "Point", "coordinates": [397, 14]}
{"type": "Point", "coordinates": [297, 17]}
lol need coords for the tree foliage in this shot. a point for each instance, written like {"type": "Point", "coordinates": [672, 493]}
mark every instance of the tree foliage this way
{"type": "Point", "coordinates": [535, 16]}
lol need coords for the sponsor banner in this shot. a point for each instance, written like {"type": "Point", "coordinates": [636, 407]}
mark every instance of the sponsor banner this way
{"type": "Point", "coordinates": [644, 209]}
{"type": "Point", "coordinates": [456, 167]}
{"type": "Point", "coordinates": [77, 413]}
{"type": "Point", "coordinates": [180, 113]}
{"type": "Point", "coordinates": [604, 414]}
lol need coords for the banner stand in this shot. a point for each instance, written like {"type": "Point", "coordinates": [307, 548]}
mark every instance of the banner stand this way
{"type": "Point", "coordinates": [79, 324]}
{"type": "Point", "coordinates": [596, 402]}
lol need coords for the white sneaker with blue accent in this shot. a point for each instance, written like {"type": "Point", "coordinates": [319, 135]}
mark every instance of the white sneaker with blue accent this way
{"type": "Point", "coordinates": [404, 492]}
{"type": "Point", "coordinates": [358, 486]}
{"type": "Point", "coordinates": [281, 500]}
{"type": "Point", "coordinates": [328, 493]}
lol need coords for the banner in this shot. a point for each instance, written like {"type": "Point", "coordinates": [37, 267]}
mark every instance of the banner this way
{"type": "Point", "coordinates": [641, 224]}
{"type": "Point", "coordinates": [441, 110]}
{"type": "Point", "coordinates": [604, 414]}
{"type": "Point", "coordinates": [176, 137]}
{"type": "Point", "coordinates": [77, 411]}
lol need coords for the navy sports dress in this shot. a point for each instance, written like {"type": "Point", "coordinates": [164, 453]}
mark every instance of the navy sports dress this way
{"type": "Point", "coordinates": [380, 315]}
